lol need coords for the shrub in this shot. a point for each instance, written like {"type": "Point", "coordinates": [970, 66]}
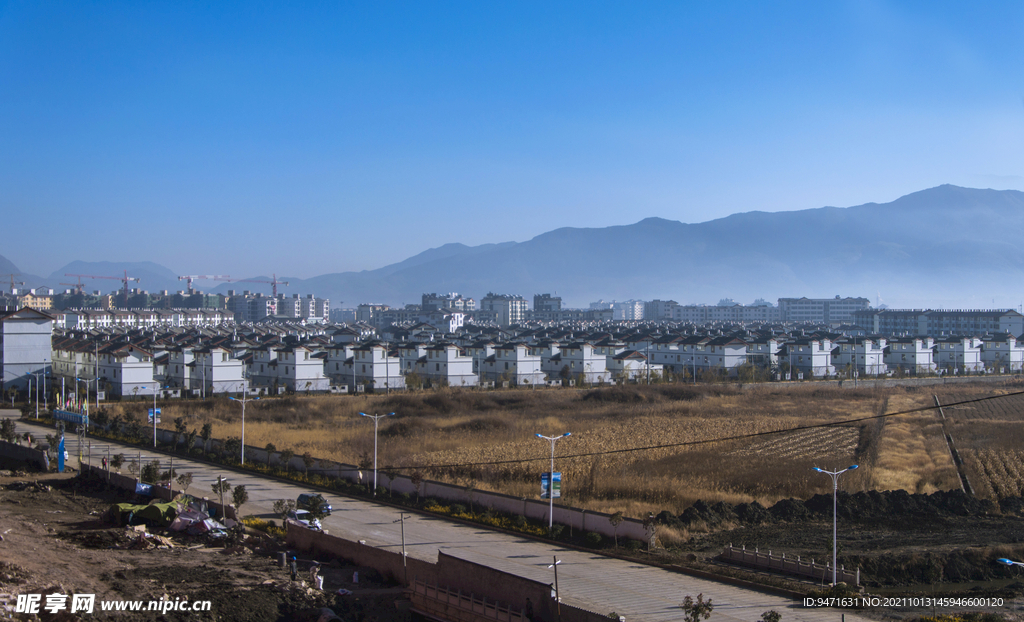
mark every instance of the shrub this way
{"type": "Point", "coordinates": [593, 538]}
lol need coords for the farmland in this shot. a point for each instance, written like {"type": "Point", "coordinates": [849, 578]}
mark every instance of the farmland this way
{"type": "Point", "coordinates": [432, 430]}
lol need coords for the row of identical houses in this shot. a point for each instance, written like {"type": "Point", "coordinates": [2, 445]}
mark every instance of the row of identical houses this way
{"type": "Point", "coordinates": [204, 364]}
{"type": "Point", "coordinates": [228, 358]}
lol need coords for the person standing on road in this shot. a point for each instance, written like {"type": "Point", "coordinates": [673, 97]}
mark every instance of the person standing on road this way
{"type": "Point", "coordinates": [295, 569]}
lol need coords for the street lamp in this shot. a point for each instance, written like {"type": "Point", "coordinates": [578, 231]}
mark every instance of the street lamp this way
{"type": "Point", "coordinates": [243, 401]}
{"type": "Point", "coordinates": [376, 422]}
{"type": "Point", "coordinates": [156, 389]}
{"type": "Point", "coordinates": [835, 487]}
{"type": "Point", "coordinates": [1009, 562]}
{"type": "Point", "coordinates": [551, 476]}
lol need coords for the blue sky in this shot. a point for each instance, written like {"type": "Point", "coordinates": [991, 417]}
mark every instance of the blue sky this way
{"type": "Point", "coordinates": [250, 138]}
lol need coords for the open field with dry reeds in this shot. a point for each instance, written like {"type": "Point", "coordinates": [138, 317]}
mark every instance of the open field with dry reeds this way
{"type": "Point", "coordinates": [433, 430]}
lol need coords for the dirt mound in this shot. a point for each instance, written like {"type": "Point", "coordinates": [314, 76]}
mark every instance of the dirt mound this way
{"type": "Point", "coordinates": [871, 506]}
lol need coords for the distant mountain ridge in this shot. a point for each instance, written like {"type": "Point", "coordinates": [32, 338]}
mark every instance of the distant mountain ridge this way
{"type": "Point", "coordinates": [944, 242]}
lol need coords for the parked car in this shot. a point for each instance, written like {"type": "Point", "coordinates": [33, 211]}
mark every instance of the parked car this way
{"type": "Point", "coordinates": [313, 500]}
{"type": "Point", "coordinates": [304, 518]}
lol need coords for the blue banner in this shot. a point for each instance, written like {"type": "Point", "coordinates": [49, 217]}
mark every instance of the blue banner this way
{"type": "Point", "coordinates": [60, 455]}
{"type": "Point", "coordinates": [544, 484]}
{"type": "Point", "coordinates": [71, 417]}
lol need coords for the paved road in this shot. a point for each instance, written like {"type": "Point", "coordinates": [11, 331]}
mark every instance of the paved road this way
{"type": "Point", "coordinates": [592, 581]}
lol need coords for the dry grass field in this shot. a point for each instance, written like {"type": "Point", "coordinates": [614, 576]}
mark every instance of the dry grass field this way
{"type": "Point", "coordinates": [989, 436]}
{"type": "Point", "coordinates": [434, 430]}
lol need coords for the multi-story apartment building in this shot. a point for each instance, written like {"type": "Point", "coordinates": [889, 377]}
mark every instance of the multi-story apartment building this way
{"type": "Point", "coordinates": [127, 370]}
{"type": "Point", "coordinates": [832, 311]}
{"type": "Point", "coordinates": [216, 371]}
{"type": "Point", "coordinates": [866, 356]}
{"type": "Point", "coordinates": [301, 370]}
{"type": "Point", "coordinates": [939, 323]}
{"type": "Point", "coordinates": [547, 303]}
{"type": "Point", "coordinates": [32, 300]}
{"type": "Point", "coordinates": [960, 354]}
{"type": "Point", "coordinates": [512, 363]}
{"type": "Point", "coordinates": [732, 313]}
{"type": "Point", "coordinates": [628, 311]}
{"type": "Point", "coordinates": [660, 310]}
{"type": "Point", "coordinates": [583, 361]}
{"type": "Point", "coordinates": [914, 355]}
{"type": "Point", "coordinates": [1002, 352]}
{"type": "Point", "coordinates": [25, 346]}
{"type": "Point", "coordinates": [810, 356]}
{"type": "Point", "coordinates": [447, 302]}
{"type": "Point", "coordinates": [444, 364]}
{"type": "Point", "coordinates": [367, 313]}
{"type": "Point", "coordinates": [507, 309]}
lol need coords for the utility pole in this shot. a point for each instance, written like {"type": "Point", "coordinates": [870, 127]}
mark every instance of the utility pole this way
{"type": "Point", "coordinates": [405, 567]}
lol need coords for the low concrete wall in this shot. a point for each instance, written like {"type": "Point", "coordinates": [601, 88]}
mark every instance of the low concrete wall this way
{"type": "Point", "coordinates": [19, 453]}
{"type": "Point", "coordinates": [457, 574]}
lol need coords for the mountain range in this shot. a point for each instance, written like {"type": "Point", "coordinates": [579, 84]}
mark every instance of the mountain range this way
{"type": "Point", "coordinates": [942, 244]}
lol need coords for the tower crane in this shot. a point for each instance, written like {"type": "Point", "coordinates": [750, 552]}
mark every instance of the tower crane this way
{"type": "Point", "coordinates": [273, 282]}
{"type": "Point", "coordinates": [125, 279]}
{"type": "Point", "coordinates": [203, 277]}
{"type": "Point", "coordinates": [13, 282]}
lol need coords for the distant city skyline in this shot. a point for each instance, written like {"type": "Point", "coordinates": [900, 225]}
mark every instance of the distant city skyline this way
{"type": "Point", "coordinates": [304, 140]}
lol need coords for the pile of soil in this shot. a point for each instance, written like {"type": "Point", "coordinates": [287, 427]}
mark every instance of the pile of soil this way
{"type": "Point", "coordinates": [895, 538]}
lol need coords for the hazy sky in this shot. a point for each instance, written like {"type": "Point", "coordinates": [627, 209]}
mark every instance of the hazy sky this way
{"type": "Point", "coordinates": [302, 139]}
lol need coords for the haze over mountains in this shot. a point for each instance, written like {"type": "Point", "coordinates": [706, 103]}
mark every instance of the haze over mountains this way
{"type": "Point", "coordinates": [945, 246]}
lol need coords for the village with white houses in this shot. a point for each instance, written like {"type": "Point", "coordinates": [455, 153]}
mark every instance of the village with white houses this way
{"type": "Point", "coordinates": [450, 340]}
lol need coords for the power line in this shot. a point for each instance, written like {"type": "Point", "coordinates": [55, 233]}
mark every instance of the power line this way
{"type": "Point", "coordinates": [706, 441]}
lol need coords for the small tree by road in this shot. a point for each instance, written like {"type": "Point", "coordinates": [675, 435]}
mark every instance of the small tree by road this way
{"type": "Point", "coordinates": [696, 610]}
{"type": "Point", "coordinates": [616, 520]}
{"type": "Point", "coordinates": [286, 459]}
{"type": "Point", "coordinates": [239, 496]}
{"type": "Point", "coordinates": [206, 434]}
{"type": "Point", "coordinates": [283, 506]}
{"type": "Point", "coordinates": [184, 480]}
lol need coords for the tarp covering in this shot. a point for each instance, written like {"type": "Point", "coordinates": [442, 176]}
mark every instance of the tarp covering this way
{"type": "Point", "coordinates": [202, 526]}
{"type": "Point", "coordinates": [186, 518]}
{"type": "Point", "coordinates": [161, 514]}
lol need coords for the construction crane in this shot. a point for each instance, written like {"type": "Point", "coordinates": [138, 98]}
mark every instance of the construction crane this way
{"type": "Point", "coordinates": [13, 282]}
{"type": "Point", "coordinates": [125, 279]}
{"type": "Point", "coordinates": [274, 282]}
{"type": "Point", "coordinates": [203, 277]}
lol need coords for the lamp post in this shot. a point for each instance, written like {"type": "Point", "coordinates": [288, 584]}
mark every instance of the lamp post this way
{"type": "Point", "coordinates": [243, 401]}
{"type": "Point", "coordinates": [36, 376]}
{"type": "Point", "coordinates": [156, 389]}
{"type": "Point", "coordinates": [835, 487]}
{"type": "Point", "coordinates": [376, 422]}
{"type": "Point", "coordinates": [551, 476]}
{"type": "Point", "coordinates": [1009, 562]}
